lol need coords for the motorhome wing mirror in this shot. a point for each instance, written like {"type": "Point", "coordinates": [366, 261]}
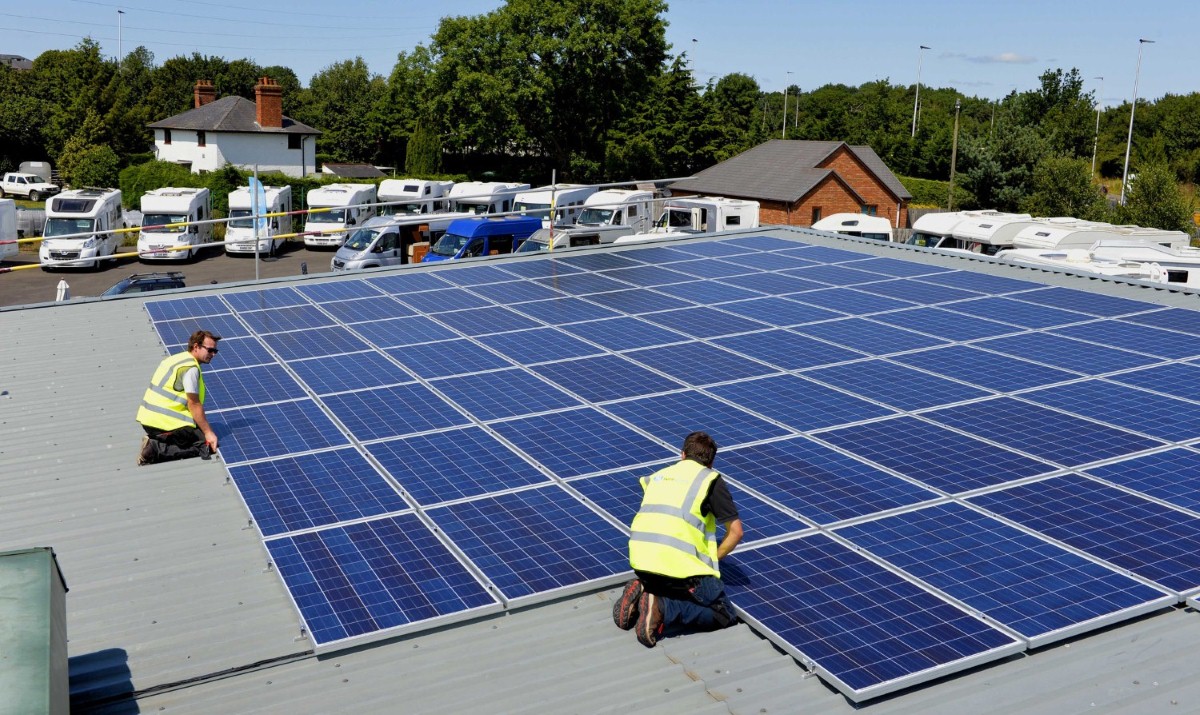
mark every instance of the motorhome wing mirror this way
{"type": "Point", "coordinates": [349, 222]}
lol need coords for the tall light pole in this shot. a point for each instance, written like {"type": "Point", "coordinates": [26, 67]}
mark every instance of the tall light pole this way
{"type": "Point", "coordinates": [1133, 106]}
{"type": "Point", "coordinates": [783, 133]}
{"type": "Point", "coordinates": [1096, 141]}
{"type": "Point", "coordinates": [953, 156]}
{"type": "Point", "coordinates": [120, 40]}
{"type": "Point", "coordinates": [917, 99]}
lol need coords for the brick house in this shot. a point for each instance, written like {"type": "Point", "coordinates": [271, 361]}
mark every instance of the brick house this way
{"type": "Point", "coordinates": [234, 130]}
{"type": "Point", "coordinates": [797, 183]}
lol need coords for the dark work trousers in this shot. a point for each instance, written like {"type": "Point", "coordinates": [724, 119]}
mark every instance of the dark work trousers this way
{"type": "Point", "coordinates": [180, 443]}
{"type": "Point", "coordinates": [690, 605]}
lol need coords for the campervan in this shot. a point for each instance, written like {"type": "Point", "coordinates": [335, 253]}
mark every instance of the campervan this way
{"type": "Point", "coordinates": [619, 207]}
{"type": "Point", "coordinates": [239, 232]}
{"type": "Point", "coordinates": [560, 237]}
{"type": "Point", "coordinates": [566, 200]}
{"type": "Point", "coordinates": [484, 197]}
{"type": "Point", "coordinates": [992, 231]}
{"type": "Point", "coordinates": [1118, 258]}
{"type": "Point", "coordinates": [483, 236]}
{"type": "Point", "coordinates": [1070, 233]}
{"type": "Point", "coordinates": [388, 241]}
{"type": "Point", "coordinates": [860, 225]}
{"type": "Point", "coordinates": [8, 228]}
{"type": "Point", "coordinates": [937, 230]}
{"type": "Point", "coordinates": [166, 215]}
{"type": "Point", "coordinates": [693, 216]}
{"type": "Point", "coordinates": [333, 209]}
{"type": "Point", "coordinates": [87, 221]}
{"type": "Point", "coordinates": [410, 197]}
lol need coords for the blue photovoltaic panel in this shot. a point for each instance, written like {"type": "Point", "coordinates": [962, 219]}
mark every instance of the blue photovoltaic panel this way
{"type": "Point", "coordinates": [392, 411]}
{"type": "Point", "coordinates": [264, 299]}
{"type": "Point", "coordinates": [175, 332]}
{"type": "Point", "coordinates": [1041, 432]}
{"type": "Point", "coordinates": [773, 283]}
{"type": "Point", "coordinates": [560, 311]}
{"type": "Point", "coordinates": [504, 393]}
{"type": "Point", "coordinates": [817, 482]}
{"type": "Point", "coordinates": [980, 282]}
{"type": "Point", "coordinates": [707, 292]}
{"type": "Point", "coordinates": [291, 318]}
{"type": "Point", "coordinates": [1014, 312]}
{"type": "Point", "coordinates": [409, 282]}
{"type": "Point", "coordinates": [274, 431]}
{"type": "Point", "coordinates": [454, 464]}
{"type": "Point", "coordinates": [648, 275]}
{"type": "Point", "coordinates": [894, 384]}
{"type": "Point", "coordinates": [712, 268]}
{"type": "Point", "coordinates": [764, 243]}
{"type": "Point", "coordinates": [934, 455]}
{"type": "Point", "coordinates": [798, 403]}
{"type": "Point", "coordinates": [917, 291]}
{"type": "Point", "coordinates": [945, 323]}
{"type": "Point", "coordinates": [656, 255]}
{"type": "Point", "coordinates": [337, 290]}
{"type": "Point", "coordinates": [590, 261]}
{"type": "Point", "coordinates": [840, 276]}
{"type": "Point", "coordinates": [476, 275]}
{"type": "Point", "coordinates": [1169, 476]}
{"type": "Point", "coordinates": [398, 332]}
{"type": "Point", "coordinates": [582, 283]}
{"type": "Point", "coordinates": [1066, 353]}
{"type": "Point", "coordinates": [185, 307]}
{"type": "Point", "coordinates": [249, 386]}
{"type": "Point", "coordinates": [699, 363]}
{"type": "Point", "coordinates": [1145, 538]}
{"type": "Point", "coordinates": [620, 495]}
{"type": "Point", "coordinates": [779, 311]}
{"type": "Point", "coordinates": [440, 301]}
{"type": "Point", "coordinates": [484, 321]}
{"type": "Point", "coordinates": [769, 261]}
{"type": "Point", "coordinates": [672, 416]}
{"type": "Point", "coordinates": [374, 576]}
{"type": "Point", "coordinates": [624, 333]}
{"type": "Point", "coordinates": [364, 309]}
{"type": "Point", "coordinates": [868, 337]}
{"type": "Point", "coordinates": [1156, 415]}
{"type": "Point", "coordinates": [515, 291]}
{"type": "Point", "coordinates": [447, 357]}
{"type": "Point", "coordinates": [529, 347]}
{"type": "Point", "coordinates": [703, 322]}
{"type": "Point", "coordinates": [539, 268]}
{"type": "Point", "coordinates": [606, 377]}
{"type": "Point", "coordinates": [787, 349]}
{"type": "Point", "coordinates": [1177, 379]}
{"type": "Point", "coordinates": [1085, 302]}
{"type": "Point", "coordinates": [311, 490]}
{"type": "Point", "coordinates": [867, 630]}
{"type": "Point", "coordinates": [708, 248]}
{"type": "Point", "coordinates": [1040, 590]}
{"type": "Point", "coordinates": [565, 443]}
{"type": "Point", "coordinates": [637, 301]}
{"type": "Point", "coordinates": [235, 353]}
{"type": "Point", "coordinates": [1138, 338]}
{"type": "Point", "coordinates": [898, 268]}
{"type": "Point", "coordinates": [850, 301]}
{"type": "Point", "coordinates": [353, 371]}
{"type": "Point", "coordinates": [316, 342]}
{"type": "Point", "coordinates": [535, 541]}
{"type": "Point", "coordinates": [1180, 319]}
{"type": "Point", "coordinates": [824, 254]}
{"type": "Point", "coordinates": [989, 370]}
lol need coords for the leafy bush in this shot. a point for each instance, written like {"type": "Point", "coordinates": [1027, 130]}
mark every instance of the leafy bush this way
{"type": "Point", "coordinates": [83, 165]}
{"type": "Point", "coordinates": [137, 180]}
{"type": "Point", "coordinates": [929, 193]}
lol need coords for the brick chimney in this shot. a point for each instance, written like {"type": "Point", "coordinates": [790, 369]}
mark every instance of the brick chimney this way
{"type": "Point", "coordinates": [204, 92]}
{"type": "Point", "coordinates": [268, 97]}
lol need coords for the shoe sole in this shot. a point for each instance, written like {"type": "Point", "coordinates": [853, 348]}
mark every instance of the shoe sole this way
{"type": "Point", "coordinates": [626, 608]}
{"type": "Point", "coordinates": [648, 620]}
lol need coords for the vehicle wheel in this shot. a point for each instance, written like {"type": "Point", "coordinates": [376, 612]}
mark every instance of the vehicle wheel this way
{"type": "Point", "coordinates": [34, 196]}
{"type": "Point", "coordinates": [2, 194]}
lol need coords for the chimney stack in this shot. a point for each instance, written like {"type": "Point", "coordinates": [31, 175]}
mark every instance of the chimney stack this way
{"type": "Point", "coordinates": [204, 92]}
{"type": "Point", "coordinates": [269, 102]}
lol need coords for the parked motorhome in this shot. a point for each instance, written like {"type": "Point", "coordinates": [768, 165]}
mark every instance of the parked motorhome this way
{"type": "Point", "coordinates": [333, 208]}
{"type": "Point", "coordinates": [860, 225]}
{"type": "Point", "coordinates": [566, 200]}
{"type": "Point", "coordinates": [388, 241]}
{"type": "Point", "coordinates": [411, 197]}
{"type": "Point", "coordinates": [1117, 258]}
{"type": "Point", "coordinates": [239, 232]}
{"type": "Point", "coordinates": [94, 213]}
{"type": "Point", "coordinates": [992, 231]}
{"type": "Point", "coordinates": [619, 207]}
{"type": "Point", "coordinates": [1067, 233]}
{"type": "Point", "coordinates": [483, 236]}
{"type": "Point", "coordinates": [693, 216]}
{"type": "Point", "coordinates": [572, 237]}
{"type": "Point", "coordinates": [937, 230]}
{"type": "Point", "coordinates": [484, 197]}
{"type": "Point", "coordinates": [8, 228]}
{"type": "Point", "coordinates": [164, 211]}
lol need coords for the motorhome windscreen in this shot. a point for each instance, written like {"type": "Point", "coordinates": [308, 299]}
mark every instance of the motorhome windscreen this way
{"type": "Point", "coordinates": [528, 209]}
{"type": "Point", "coordinates": [923, 239]}
{"type": "Point", "coordinates": [413, 208]}
{"type": "Point", "coordinates": [67, 226]}
{"type": "Point", "coordinates": [595, 216]}
{"type": "Point", "coordinates": [160, 219]}
{"type": "Point", "coordinates": [240, 218]}
{"type": "Point", "coordinates": [329, 216]}
{"type": "Point", "coordinates": [470, 207]}
{"type": "Point", "coordinates": [72, 206]}
{"type": "Point", "coordinates": [538, 241]}
{"type": "Point", "coordinates": [361, 239]}
{"type": "Point", "coordinates": [449, 244]}
{"type": "Point", "coordinates": [677, 218]}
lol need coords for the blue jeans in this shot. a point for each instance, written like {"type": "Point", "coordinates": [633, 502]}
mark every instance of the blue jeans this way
{"type": "Point", "coordinates": [707, 608]}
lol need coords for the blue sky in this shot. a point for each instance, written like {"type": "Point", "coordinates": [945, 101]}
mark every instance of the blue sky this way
{"type": "Point", "coordinates": [983, 49]}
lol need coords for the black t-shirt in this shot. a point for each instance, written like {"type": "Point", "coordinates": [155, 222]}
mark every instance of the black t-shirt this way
{"type": "Point", "coordinates": [719, 502]}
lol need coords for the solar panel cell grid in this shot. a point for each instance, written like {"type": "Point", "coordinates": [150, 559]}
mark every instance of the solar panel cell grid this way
{"type": "Point", "coordinates": [638, 301]}
{"type": "Point", "coordinates": [315, 342]}
{"type": "Point", "coordinates": [944, 324]}
{"type": "Point", "coordinates": [251, 386]}
{"type": "Point", "coordinates": [447, 357]}
{"type": "Point", "coordinates": [624, 333]}
{"type": "Point", "coordinates": [866, 336]}
{"type": "Point", "coordinates": [432, 302]}
{"type": "Point", "coordinates": [1178, 319]}
{"type": "Point", "coordinates": [606, 377]}
{"type": "Point", "coordinates": [178, 308]}
{"type": "Point", "coordinates": [989, 370]}
{"type": "Point", "coordinates": [364, 309]}
{"type": "Point", "coordinates": [511, 292]}
{"type": "Point", "coordinates": [1175, 379]}
{"type": "Point", "coordinates": [707, 292]}
{"type": "Point", "coordinates": [1138, 338]}
{"type": "Point", "coordinates": [529, 347]}
{"type": "Point", "coordinates": [668, 417]}
{"type": "Point", "coordinates": [249, 433]}
{"type": "Point", "coordinates": [485, 321]}
{"type": "Point", "coordinates": [338, 290]}
{"type": "Point", "coordinates": [561, 311]}
{"type": "Point", "coordinates": [291, 318]}
{"type": "Point", "coordinates": [798, 403]}
{"type": "Point", "coordinates": [348, 372]}
{"type": "Point", "coordinates": [566, 443]}
{"type": "Point", "coordinates": [787, 349]}
{"type": "Point", "coordinates": [392, 411]}
{"type": "Point", "coordinates": [1085, 301]}
{"type": "Point", "coordinates": [703, 322]}
{"type": "Point", "coordinates": [1169, 476]}
{"type": "Point", "coordinates": [699, 363]}
{"type": "Point", "coordinates": [265, 299]}
{"type": "Point", "coordinates": [504, 393]}
{"type": "Point", "coordinates": [895, 385]}
{"type": "Point", "coordinates": [175, 332]}
{"type": "Point", "coordinates": [1127, 407]}
{"type": "Point", "coordinates": [850, 301]}
{"type": "Point", "coordinates": [1066, 353]}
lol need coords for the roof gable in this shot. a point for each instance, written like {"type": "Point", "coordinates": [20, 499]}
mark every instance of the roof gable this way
{"type": "Point", "coordinates": [229, 114]}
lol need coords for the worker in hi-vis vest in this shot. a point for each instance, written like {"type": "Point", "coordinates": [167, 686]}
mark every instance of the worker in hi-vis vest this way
{"type": "Point", "coordinates": [674, 552]}
{"type": "Point", "coordinates": [172, 410]}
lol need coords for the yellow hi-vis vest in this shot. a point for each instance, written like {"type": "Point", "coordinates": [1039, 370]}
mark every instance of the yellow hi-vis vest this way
{"type": "Point", "coordinates": [669, 535]}
{"type": "Point", "coordinates": [164, 406]}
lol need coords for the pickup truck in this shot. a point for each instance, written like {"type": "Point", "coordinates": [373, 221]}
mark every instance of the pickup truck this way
{"type": "Point", "coordinates": [30, 186]}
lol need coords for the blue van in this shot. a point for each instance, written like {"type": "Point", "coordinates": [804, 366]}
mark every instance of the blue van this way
{"type": "Point", "coordinates": [469, 237]}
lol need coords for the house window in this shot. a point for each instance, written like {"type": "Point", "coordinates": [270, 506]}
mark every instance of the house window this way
{"type": "Point", "coordinates": [816, 214]}
{"type": "Point", "coordinates": [294, 141]}
{"type": "Point", "coordinates": [166, 136]}
{"type": "Point", "coordinates": [200, 141]}
{"type": "Point", "coordinates": [869, 209]}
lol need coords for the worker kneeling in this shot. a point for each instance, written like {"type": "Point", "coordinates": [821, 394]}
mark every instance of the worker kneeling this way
{"type": "Point", "coordinates": [172, 410]}
{"type": "Point", "coordinates": [673, 549]}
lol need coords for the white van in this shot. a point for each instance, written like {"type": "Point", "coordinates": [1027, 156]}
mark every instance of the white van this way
{"type": "Point", "coordinates": [411, 197]}
{"type": "Point", "coordinates": [566, 200]}
{"type": "Point", "coordinates": [89, 217]}
{"type": "Point", "coordinates": [619, 207]}
{"type": "Point", "coordinates": [239, 232]}
{"type": "Point", "coordinates": [480, 198]}
{"type": "Point", "coordinates": [333, 208]}
{"type": "Point", "coordinates": [388, 241]}
{"type": "Point", "coordinates": [164, 211]}
{"type": "Point", "coordinates": [8, 228]}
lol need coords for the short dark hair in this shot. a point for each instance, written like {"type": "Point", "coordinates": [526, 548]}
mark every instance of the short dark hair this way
{"type": "Point", "coordinates": [699, 447]}
{"type": "Point", "coordinates": [198, 339]}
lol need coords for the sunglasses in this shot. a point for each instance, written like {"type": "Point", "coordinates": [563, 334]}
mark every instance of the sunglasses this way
{"type": "Point", "coordinates": [212, 351]}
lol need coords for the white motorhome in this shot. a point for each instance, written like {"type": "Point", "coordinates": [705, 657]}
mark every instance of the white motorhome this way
{"type": "Point", "coordinates": [1071, 233]}
{"type": "Point", "coordinates": [333, 209]}
{"type": "Point", "coordinates": [239, 232]}
{"type": "Point", "coordinates": [860, 225]}
{"type": "Point", "coordinates": [993, 231]}
{"type": "Point", "coordinates": [479, 198]}
{"type": "Point", "coordinates": [164, 213]}
{"type": "Point", "coordinates": [619, 207]}
{"type": "Point", "coordinates": [388, 240]}
{"type": "Point", "coordinates": [410, 197]}
{"type": "Point", "coordinates": [1117, 258]}
{"type": "Point", "coordinates": [8, 228]}
{"type": "Point", "coordinates": [693, 216]}
{"type": "Point", "coordinates": [572, 237]}
{"type": "Point", "coordinates": [86, 219]}
{"type": "Point", "coordinates": [566, 200]}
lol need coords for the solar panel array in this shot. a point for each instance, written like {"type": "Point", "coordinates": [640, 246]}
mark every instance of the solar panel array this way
{"type": "Point", "coordinates": [935, 468]}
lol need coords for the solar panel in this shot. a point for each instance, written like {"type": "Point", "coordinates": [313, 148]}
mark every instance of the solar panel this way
{"type": "Point", "coordinates": [638, 301]}
{"type": "Point", "coordinates": [1138, 338]}
{"type": "Point", "coordinates": [176, 332]}
{"type": "Point", "coordinates": [710, 268]}
{"type": "Point", "coordinates": [824, 254]}
{"type": "Point", "coordinates": [981, 282]}
{"type": "Point", "coordinates": [699, 363]}
{"type": "Point", "coordinates": [409, 282]}
{"type": "Point", "coordinates": [291, 318]}
{"type": "Point", "coordinates": [338, 290]}
{"type": "Point", "coordinates": [599, 261]}
{"type": "Point", "coordinates": [1169, 475]}
{"type": "Point", "coordinates": [868, 337]}
{"type": "Point", "coordinates": [397, 332]}
{"type": "Point", "coordinates": [249, 433]}
{"type": "Point", "coordinates": [364, 309]}
{"type": "Point", "coordinates": [514, 291]}
{"type": "Point", "coordinates": [769, 261]}
{"type": "Point", "coordinates": [944, 324]}
{"type": "Point", "coordinates": [1178, 319]}
{"type": "Point", "coordinates": [707, 292]}
{"type": "Point", "coordinates": [540, 269]}
{"type": "Point", "coordinates": [1015, 312]}
{"type": "Point", "coordinates": [1066, 353]}
{"type": "Point", "coordinates": [264, 299]}
{"type": "Point", "coordinates": [392, 411]}
{"type": "Point", "coordinates": [989, 370]}
{"type": "Point", "coordinates": [898, 268]}
{"type": "Point", "coordinates": [560, 311]}
{"type": "Point", "coordinates": [477, 276]}
{"type": "Point", "coordinates": [582, 283]}
{"type": "Point", "coordinates": [504, 393]}
{"type": "Point", "coordinates": [447, 357]}
{"type": "Point", "coordinates": [894, 385]}
{"type": "Point", "coordinates": [485, 321]}
{"type": "Point", "coordinates": [1084, 301]}
{"type": "Point", "coordinates": [316, 342]}
{"type": "Point", "coordinates": [1133, 409]}
{"type": "Point", "coordinates": [432, 302]}
{"type": "Point", "coordinates": [835, 275]}
{"type": "Point", "coordinates": [800, 404]}
{"type": "Point", "coordinates": [606, 377]}
{"type": "Point", "coordinates": [786, 349]}
{"type": "Point", "coordinates": [1175, 379]}
{"type": "Point", "coordinates": [353, 371]}
{"type": "Point", "coordinates": [712, 250]}
{"type": "Point", "coordinates": [764, 243]}
{"type": "Point", "coordinates": [668, 417]}
{"type": "Point", "coordinates": [529, 347]}
{"type": "Point", "coordinates": [850, 301]}
{"type": "Point", "coordinates": [703, 322]}
{"type": "Point", "coordinates": [779, 311]}
{"type": "Point", "coordinates": [624, 333]}
{"type": "Point", "coordinates": [196, 306]}
{"type": "Point", "coordinates": [565, 443]}
{"type": "Point", "coordinates": [918, 292]}
{"type": "Point", "coordinates": [235, 353]}
{"type": "Point", "coordinates": [644, 276]}
{"type": "Point", "coordinates": [252, 386]}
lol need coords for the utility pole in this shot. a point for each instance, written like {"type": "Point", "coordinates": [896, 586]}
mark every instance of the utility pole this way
{"type": "Point", "coordinates": [783, 133]}
{"type": "Point", "coordinates": [120, 39]}
{"type": "Point", "coordinates": [1132, 107]}
{"type": "Point", "coordinates": [917, 99]}
{"type": "Point", "coordinates": [1096, 140]}
{"type": "Point", "coordinates": [953, 156]}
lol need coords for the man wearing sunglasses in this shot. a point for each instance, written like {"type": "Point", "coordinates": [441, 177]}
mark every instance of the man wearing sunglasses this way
{"type": "Point", "coordinates": [172, 410]}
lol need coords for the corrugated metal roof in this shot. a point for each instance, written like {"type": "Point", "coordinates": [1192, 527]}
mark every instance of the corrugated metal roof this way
{"type": "Point", "coordinates": [171, 597]}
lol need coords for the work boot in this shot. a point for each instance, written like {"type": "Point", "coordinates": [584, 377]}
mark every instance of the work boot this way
{"type": "Point", "coordinates": [148, 451]}
{"type": "Point", "coordinates": [649, 623]}
{"type": "Point", "coordinates": [625, 610]}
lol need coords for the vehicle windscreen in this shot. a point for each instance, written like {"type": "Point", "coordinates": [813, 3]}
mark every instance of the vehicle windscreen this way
{"type": "Point", "coordinates": [159, 219]}
{"type": "Point", "coordinates": [337, 216]}
{"type": "Point", "coordinates": [594, 215]}
{"type": "Point", "coordinates": [361, 239]}
{"type": "Point", "coordinates": [539, 240]}
{"type": "Point", "coordinates": [65, 226]}
{"type": "Point", "coordinates": [449, 244]}
{"type": "Point", "coordinates": [241, 218]}
{"type": "Point", "coordinates": [927, 240]}
{"type": "Point", "coordinates": [675, 218]}
{"type": "Point", "coordinates": [473, 208]}
{"type": "Point", "coordinates": [532, 209]}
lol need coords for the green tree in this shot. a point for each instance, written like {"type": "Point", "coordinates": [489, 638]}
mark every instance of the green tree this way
{"type": "Point", "coordinates": [1154, 200]}
{"type": "Point", "coordinates": [424, 155]}
{"type": "Point", "coordinates": [342, 98]}
{"type": "Point", "coordinates": [999, 172]}
{"type": "Point", "coordinates": [1063, 186]}
{"type": "Point", "coordinates": [82, 164]}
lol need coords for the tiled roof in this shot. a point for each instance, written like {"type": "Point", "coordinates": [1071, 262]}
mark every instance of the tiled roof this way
{"type": "Point", "coordinates": [229, 114]}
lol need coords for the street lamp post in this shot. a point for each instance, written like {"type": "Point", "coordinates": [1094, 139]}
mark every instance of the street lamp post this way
{"type": "Point", "coordinates": [917, 99]}
{"type": "Point", "coordinates": [1133, 106]}
{"type": "Point", "coordinates": [783, 133]}
{"type": "Point", "coordinates": [1096, 141]}
{"type": "Point", "coordinates": [953, 156]}
{"type": "Point", "coordinates": [120, 39]}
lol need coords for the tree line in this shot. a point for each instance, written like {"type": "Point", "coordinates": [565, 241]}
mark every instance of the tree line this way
{"type": "Point", "coordinates": [593, 91]}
